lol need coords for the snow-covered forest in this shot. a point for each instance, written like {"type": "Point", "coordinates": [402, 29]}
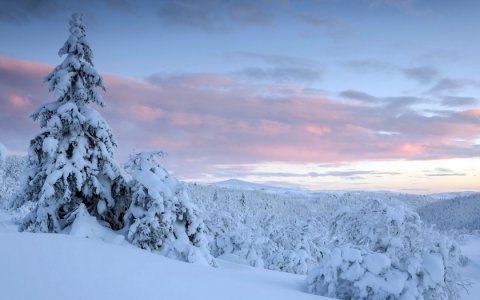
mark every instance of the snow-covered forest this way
{"type": "Point", "coordinates": [76, 223]}
{"type": "Point", "coordinates": [344, 245]}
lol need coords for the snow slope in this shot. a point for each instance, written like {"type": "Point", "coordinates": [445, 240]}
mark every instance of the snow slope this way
{"type": "Point", "coordinates": [59, 266]}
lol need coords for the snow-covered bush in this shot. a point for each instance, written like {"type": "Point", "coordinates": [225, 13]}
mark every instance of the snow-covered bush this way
{"type": "Point", "coordinates": [349, 272]}
{"type": "Point", "coordinates": [71, 161]}
{"type": "Point", "coordinates": [11, 169]}
{"type": "Point", "coordinates": [295, 247]}
{"type": "Point", "coordinates": [394, 256]}
{"type": "Point", "coordinates": [353, 272]}
{"type": "Point", "coordinates": [291, 261]}
{"type": "Point", "coordinates": [161, 217]}
{"type": "Point", "coordinates": [228, 235]}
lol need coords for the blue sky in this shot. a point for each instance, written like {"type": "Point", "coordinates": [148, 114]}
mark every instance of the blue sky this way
{"type": "Point", "coordinates": [386, 90]}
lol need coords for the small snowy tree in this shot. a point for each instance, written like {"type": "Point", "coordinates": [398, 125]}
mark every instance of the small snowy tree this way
{"type": "Point", "coordinates": [3, 153]}
{"type": "Point", "coordinates": [11, 169]}
{"type": "Point", "coordinates": [161, 217]}
{"type": "Point", "coordinates": [71, 161]}
{"type": "Point", "coordinates": [242, 199]}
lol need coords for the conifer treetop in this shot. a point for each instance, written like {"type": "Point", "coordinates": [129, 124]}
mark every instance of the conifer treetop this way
{"type": "Point", "coordinates": [74, 80]}
{"type": "Point", "coordinates": [77, 44]}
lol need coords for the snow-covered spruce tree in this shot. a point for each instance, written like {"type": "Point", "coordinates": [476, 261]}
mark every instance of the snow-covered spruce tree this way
{"type": "Point", "coordinates": [161, 217]}
{"type": "Point", "coordinates": [71, 161]}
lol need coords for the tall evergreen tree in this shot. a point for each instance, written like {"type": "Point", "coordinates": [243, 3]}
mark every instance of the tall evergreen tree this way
{"type": "Point", "coordinates": [71, 162]}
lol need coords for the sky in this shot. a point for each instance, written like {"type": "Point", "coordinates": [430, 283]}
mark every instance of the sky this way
{"type": "Point", "coordinates": [320, 94]}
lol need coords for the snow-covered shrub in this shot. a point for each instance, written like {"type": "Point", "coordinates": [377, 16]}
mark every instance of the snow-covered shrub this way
{"type": "Point", "coordinates": [71, 161]}
{"type": "Point", "coordinates": [295, 247]}
{"type": "Point", "coordinates": [353, 272]}
{"type": "Point", "coordinates": [291, 261]}
{"type": "Point", "coordinates": [227, 234]}
{"type": "Point", "coordinates": [349, 272]}
{"type": "Point", "coordinates": [394, 256]}
{"type": "Point", "coordinates": [11, 169]}
{"type": "Point", "coordinates": [161, 217]}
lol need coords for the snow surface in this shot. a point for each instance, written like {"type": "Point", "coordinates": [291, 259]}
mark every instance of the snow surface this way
{"type": "Point", "coordinates": [82, 266]}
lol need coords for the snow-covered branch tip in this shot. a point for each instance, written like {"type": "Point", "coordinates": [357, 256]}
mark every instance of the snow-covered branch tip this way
{"type": "Point", "coordinates": [139, 158]}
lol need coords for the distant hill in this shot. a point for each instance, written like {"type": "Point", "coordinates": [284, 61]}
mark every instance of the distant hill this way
{"type": "Point", "coordinates": [451, 195]}
{"type": "Point", "coordinates": [456, 213]}
{"type": "Point", "coordinates": [245, 185]}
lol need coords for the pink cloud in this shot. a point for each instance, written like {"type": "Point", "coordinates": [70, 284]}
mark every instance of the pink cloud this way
{"type": "Point", "coordinates": [293, 153]}
{"type": "Point", "coordinates": [269, 127]}
{"type": "Point", "coordinates": [19, 102]}
{"type": "Point", "coordinates": [475, 112]}
{"type": "Point", "coordinates": [410, 149]}
{"type": "Point", "coordinates": [192, 79]}
{"type": "Point", "coordinates": [317, 130]}
{"type": "Point", "coordinates": [145, 113]}
{"type": "Point", "coordinates": [23, 66]}
{"type": "Point", "coordinates": [208, 119]}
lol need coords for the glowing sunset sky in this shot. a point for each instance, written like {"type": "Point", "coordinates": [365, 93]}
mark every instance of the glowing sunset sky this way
{"type": "Point", "coordinates": [326, 94]}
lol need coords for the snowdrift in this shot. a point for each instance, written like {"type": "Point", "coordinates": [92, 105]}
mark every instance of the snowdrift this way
{"type": "Point", "coordinates": [58, 267]}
